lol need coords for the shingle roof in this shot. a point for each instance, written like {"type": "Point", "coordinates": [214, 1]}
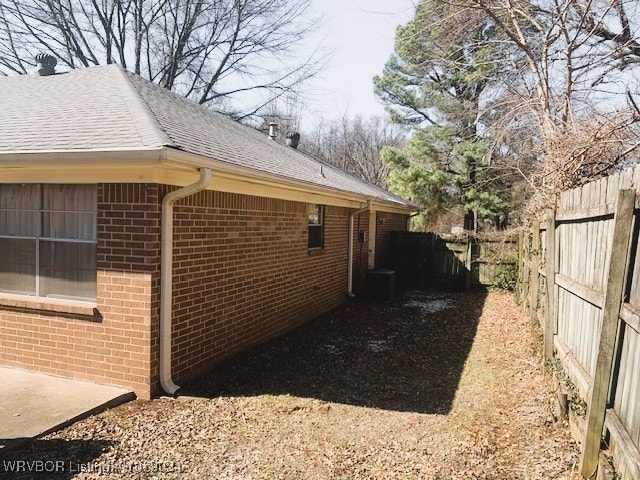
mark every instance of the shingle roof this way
{"type": "Point", "coordinates": [107, 108]}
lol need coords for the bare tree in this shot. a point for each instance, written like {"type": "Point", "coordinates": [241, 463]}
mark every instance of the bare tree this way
{"type": "Point", "coordinates": [564, 53]}
{"type": "Point", "coordinates": [213, 51]}
{"type": "Point", "coordinates": [567, 67]}
{"type": "Point", "coordinates": [354, 145]}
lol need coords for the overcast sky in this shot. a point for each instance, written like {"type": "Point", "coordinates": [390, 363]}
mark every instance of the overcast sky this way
{"type": "Point", "coordinates": [361, 33]}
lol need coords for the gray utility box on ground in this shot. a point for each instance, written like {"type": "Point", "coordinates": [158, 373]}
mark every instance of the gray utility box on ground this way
{"type": "Point", "coordinates": [381, 284]}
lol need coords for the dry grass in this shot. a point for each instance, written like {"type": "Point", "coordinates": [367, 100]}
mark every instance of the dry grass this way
{"type": "Point", "coordinates": [433, 386]}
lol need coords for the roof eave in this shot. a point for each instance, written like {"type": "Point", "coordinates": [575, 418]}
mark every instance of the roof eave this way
{"type": "Point", "coordinates": [168, 156]}
{"type": "Point", "coordinates": [181, 158]}
{"type": "Point", "coordinates": [26, 158]}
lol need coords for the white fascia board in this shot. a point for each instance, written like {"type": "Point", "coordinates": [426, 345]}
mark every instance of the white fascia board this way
{"type": "Point", "coordinates": [299, 189]}
{"type": "Point", "coordinates": [173, 167]}
{"type": "Point", "coordinates": [27, 159]}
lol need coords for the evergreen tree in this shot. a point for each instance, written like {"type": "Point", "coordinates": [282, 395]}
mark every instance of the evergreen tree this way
{"type": "Point", "coordinates": [437, 81]}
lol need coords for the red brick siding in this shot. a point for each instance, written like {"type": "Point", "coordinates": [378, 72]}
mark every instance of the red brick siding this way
{"type": "Point", "coordinates": [114, 346]}
{"type": "Point", "coordinates": [386, 223]}
{"type": "Point", "coordinates": [243, 274]}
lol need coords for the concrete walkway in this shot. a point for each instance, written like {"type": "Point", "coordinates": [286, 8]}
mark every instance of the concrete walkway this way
{"type": "Point", "coordinates": [32, 404]}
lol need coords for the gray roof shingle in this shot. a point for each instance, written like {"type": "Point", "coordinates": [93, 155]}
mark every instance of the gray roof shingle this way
{"type": "Point", "coordinates": [107, 108]}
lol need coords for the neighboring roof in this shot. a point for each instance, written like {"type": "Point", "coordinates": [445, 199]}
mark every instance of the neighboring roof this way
{"type": "Point", "coordinates": [107, 108]}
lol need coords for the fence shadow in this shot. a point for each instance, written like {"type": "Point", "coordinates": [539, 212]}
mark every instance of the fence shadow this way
{"type": "Point", "coordinates": [406, 355]}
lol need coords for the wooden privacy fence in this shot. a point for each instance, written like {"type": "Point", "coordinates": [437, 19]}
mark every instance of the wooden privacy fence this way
{"type": "Point", "coordinates": [459, 261]}
{"type": "Point", "coordinates": [580, 275]}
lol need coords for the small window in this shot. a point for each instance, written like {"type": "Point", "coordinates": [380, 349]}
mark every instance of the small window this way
{"type": "Point", "coordinates": [316, 222]}
{"type": "Point", "coordinates": [48, 240]}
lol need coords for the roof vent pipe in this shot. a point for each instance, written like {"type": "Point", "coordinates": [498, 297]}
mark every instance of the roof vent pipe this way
{"type": "Point", "coordinates": [292, 139]}
{"type": "Point", "coordinates": [46, 64]}
{"type": "Point", "coordinates": [273, 127]}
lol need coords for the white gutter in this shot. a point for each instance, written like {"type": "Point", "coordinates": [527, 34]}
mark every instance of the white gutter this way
{"type": "Point", "coordinates": [350, 267]}
{"type": "Point", "coordinates": [167, 156]}
{"type": "Point", "coordinates": [182, 159]}
{"type": "Point", "coordinates": [166, 275]}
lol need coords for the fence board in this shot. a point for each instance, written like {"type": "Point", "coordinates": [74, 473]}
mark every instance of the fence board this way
{"type": "Point", "coordinates": [636, 178]}
{"type": "Point", "coordinates": [634, 290]}
{"type": "Point", "coordinates": [626, 179]}
{"type": "Point", "coordinates": [611, 312]}
{"type": "Point", "coordinates": [452, 260]}
{"type": "Point", "coordinates": [631, 316]}
{"type": "Point", "coordinates": [630, 378]}
{"type": "Point", "coordinates": [535, 266]}
{"type": "Point", "coordinates": [584, 236]}
{"type": "Point", "coordinates": [623, 448]}
{"type": "Point", "coordinates": [626, 402]}
{"type": "Point", "coordinates": [580, 376]}
{"type": "Point", "coordinates": [550, 274]}
{"type": "Point", "coordinates": [586, 294]}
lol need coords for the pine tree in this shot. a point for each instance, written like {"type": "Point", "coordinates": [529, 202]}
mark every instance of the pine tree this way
{"type": "Point", "coordinates": [436, 81]}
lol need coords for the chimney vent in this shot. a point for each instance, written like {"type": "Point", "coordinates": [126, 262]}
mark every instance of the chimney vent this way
{"type": "Point", "coordinates": [293, 139]}
{"type": "Point", "coordinates": [273, 127]}
{"type": "Point", "coordinates": [46, 64]}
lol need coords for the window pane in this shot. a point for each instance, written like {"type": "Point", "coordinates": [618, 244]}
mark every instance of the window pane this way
{"type": "Point", "coordinates": [19, 206]}
{"type": "Point", "coordinates": [69, 225]}
{"type": "Point", "coordinates": [69, 211]}
{"type": "Point", "coordinates": [67, 270]}
{"type": "Point", "coordinates": [315, 236]}
{"type": "Point", "coordinates": [18, 266]}
{"type": "Point", "coordinates": [315, 214]}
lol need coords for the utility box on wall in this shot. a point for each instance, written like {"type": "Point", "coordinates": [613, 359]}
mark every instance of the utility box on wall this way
{"type": "Point", "coordinates": [381, 284]}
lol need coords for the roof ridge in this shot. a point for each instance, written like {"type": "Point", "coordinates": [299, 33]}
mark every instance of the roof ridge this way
{"type": "Point", "coordinates": [138, 107]}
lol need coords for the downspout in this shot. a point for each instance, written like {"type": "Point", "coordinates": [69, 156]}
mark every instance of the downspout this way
{"type": "Point", "coordinates": [350, 267]}
{"type": "Point", "coordinates": [166, 274]}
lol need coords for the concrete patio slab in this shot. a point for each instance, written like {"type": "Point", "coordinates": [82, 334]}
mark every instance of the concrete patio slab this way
{"type": "Point", "coordinates": [33, 404]}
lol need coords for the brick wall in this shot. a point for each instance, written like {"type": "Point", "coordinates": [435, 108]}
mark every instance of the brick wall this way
{"type": "Point", "coordinates": [112, 344]}
{"type": "Point", "coordinates": [243, 274]}
{"type": "Point", "coordinates": [386, 223]}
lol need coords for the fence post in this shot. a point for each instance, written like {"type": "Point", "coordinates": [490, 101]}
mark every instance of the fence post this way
{"type": "Point", "coordinates": [550, 279]}
{"type": "Point", "coordinates": [526, 266]}
{"type": "Point", "coordinates": [614, 296]}
{"type": "Point", "coordinates": [534, 293]}
{"type": "Point", "coordinates": [520, 266]}
{"type": "Point", "coordinates": [468, 265]}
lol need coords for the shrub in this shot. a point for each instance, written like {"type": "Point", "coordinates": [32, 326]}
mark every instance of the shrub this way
{"type": "Point", "coordinates": [506, 279]}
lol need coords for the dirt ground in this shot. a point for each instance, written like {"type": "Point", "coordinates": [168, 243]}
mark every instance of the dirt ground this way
{"type": "Point", "coordinates": [432, 386]}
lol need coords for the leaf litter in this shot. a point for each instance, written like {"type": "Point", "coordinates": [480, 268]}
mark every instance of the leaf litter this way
{"type": "Point", "coordinates": [426, 387]}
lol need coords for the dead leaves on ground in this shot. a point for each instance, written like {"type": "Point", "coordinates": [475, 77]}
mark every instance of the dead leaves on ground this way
{"type": "Point", "coordinates": [433, 386]}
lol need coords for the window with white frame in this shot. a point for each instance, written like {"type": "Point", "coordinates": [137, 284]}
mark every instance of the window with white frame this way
{"type": "Point", "coordinates": [316, 226]}
{"type": "Point", "coordinates": [48, 238]}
